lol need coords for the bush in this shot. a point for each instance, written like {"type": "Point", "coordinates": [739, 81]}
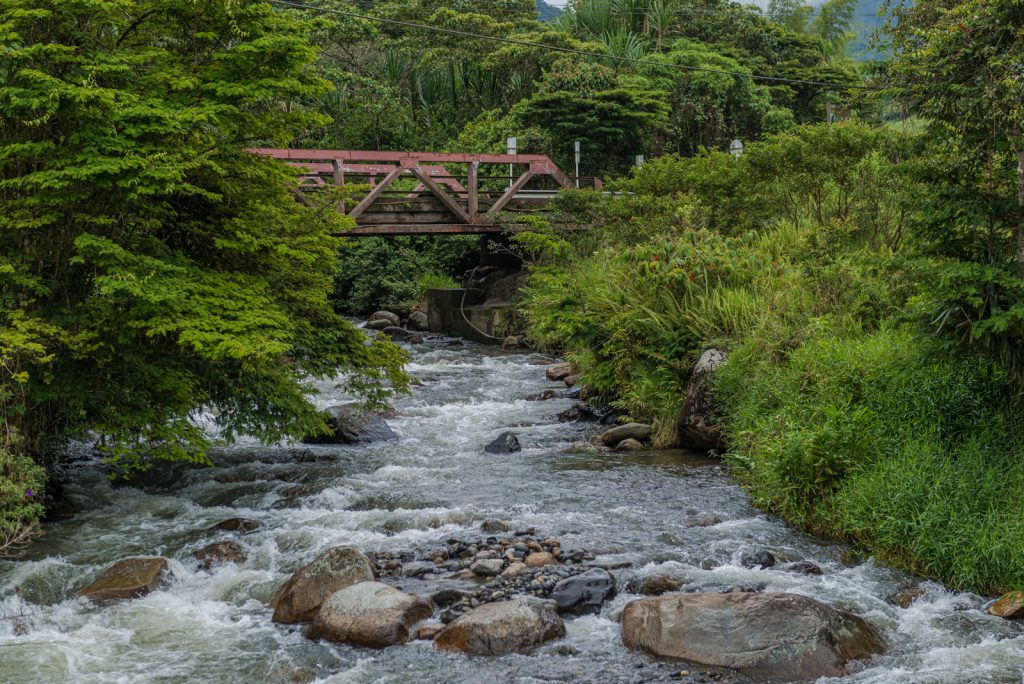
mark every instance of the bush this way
{"type": "Point", "coordinates": [21, 493]}
{"type": "Point", "coordinates": [886, 441]}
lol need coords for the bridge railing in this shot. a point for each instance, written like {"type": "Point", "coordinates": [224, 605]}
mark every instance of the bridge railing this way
{"type": "Point", "coordinates": [408, 192]}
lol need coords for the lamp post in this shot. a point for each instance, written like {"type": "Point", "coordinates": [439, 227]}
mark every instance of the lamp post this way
{"type": "Point", "coordinates": [577, 163]}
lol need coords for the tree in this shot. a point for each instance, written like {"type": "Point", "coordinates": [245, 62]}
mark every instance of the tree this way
{"type": "Point", "coordinates": [958, 66]}
{"type": "Point", "coordinates": [832, 23]}
{"type": "Point", "coordinates": [791, 14]}
{"type": "Point", "coordinates": [614, 114]}
{"type": "Point", "coordinates": [149, 266]}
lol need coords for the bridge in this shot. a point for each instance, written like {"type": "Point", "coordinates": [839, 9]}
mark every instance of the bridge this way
{"type": "Point", "coordinates": [428, 193]}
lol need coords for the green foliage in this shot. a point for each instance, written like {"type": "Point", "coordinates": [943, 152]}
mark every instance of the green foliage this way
{"type": "Point", "coordinates": [394, 273]}
{"type": "Point", "coordinates": [150, 266]}
{"type": "Point", "coordinates": [886, 441]}
{"type": "Point", "coordinates": [958, 64]}
{"type": "Point", "coordinates": [812, 262]}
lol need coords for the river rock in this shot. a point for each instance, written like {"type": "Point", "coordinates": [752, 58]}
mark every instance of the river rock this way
{"type": "Point", "coordinates": [390, 317]}
{"type": "Point", "coordinates": [397, 333]}
{"type": "Point", "coordinates": [350, 424]}
{"type": "Point", "coordinates": [378, 324]}
{"type": "Point", "coordinates": [572, 380]}
{"type": "Point", "coordinates": [637, 431]}
{"type": "Point", "coordinates": [506, 443]}
{"type": "Point", "coordinates": [417, 321]}
{"type": "Point", "coordinates": [767, 636]}
{"type": "Point", "coordinates": [540, 558]}
{"type": "Point", "coordinates": [758, 559]}
{"type": "Point", "coordinates": [127, 579]}
{"type": "Point", "coordinates": [584, 593]}
{"type": "Point", "coordinates": [629, 445]}
{"type": "Point", "coordinates": [493, 526]}
{"type": "Point", "coordinates": [487, 567]}
{"type": "Point", "coordinates": [655, 585]}
{"type": "Point", "coordinates": [906, 598]}
{"type": "Point", "coordinates": [493, 629]}
{"type": "Point", "coordinates": [428, 631]}
{"type": "Point", "coordinates": [218, 554]}
{"type": "Point", "coordinates": [706, 521]}
{"type": "Point", "coordinates": [700, 418]}
{"type": "Point", "coordinates": [804, 568]}
{"type": "Point", "coordinates": [1010, 606]}
{"type": "Point", "coordinates": [577, 413]}
{"type": "Point", "coordinates": [559, 371]}
{"type": "Point", "coordinates": [239, 525]}
{"type": "Point", "coordinates": [298, 599]}
{"type": "Point", "coordinates": [513, 569]}
{"type": "Point", "coordinates": [511, 342]}
{"type": "Point", "coordinates": [369, 614]}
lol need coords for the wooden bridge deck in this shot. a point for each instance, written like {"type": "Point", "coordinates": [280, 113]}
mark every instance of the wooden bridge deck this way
{"type": "Point", "coordinates": [430, 193]}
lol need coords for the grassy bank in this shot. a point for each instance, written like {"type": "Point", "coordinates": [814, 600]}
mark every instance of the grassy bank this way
{"type": "Point", "coordinates": [856, 405]}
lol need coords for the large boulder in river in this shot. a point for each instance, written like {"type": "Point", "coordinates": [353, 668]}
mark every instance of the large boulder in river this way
{"type": "Point", "coordinates": [771, 636]}
{"type": "Point", "coordinates": [620, 433]}
{"type": "Point", "coordinates": [369, 614]}
{"type": "Point", "coordinates": [700, 418]}
{"type": "Point", "coordinates": [127, 579]}
{"type": "Point", "coordinates": [298, 599]}
{"type": "Point", "coordinates": [493, 629]}
{"type": "Point", "coordinates": [506, 443]}
{"type": "Point", "coordinates": [351, 424]}
{"type": "Point", "coordinates": [391, 318]}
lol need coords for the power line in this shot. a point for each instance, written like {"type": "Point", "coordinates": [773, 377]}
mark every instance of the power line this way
{"type": "Point", "coordinates": [585, 53]}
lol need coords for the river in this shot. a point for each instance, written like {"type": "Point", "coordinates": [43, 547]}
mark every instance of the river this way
{"type": "Point", "coordinates": [432, 484]}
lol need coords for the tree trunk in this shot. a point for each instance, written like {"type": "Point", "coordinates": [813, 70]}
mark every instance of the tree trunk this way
{"type": "Point", "coordinates": [1020, 206]}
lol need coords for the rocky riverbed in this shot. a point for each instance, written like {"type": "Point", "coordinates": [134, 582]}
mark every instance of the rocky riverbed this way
{"type": "Point", "coordinates": [577, 560]}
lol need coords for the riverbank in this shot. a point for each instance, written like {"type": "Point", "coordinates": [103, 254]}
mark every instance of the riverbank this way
{"type": "Point", "coordinates": [864, 396]}
{"type": "Point", "coordinates": [433, 483]}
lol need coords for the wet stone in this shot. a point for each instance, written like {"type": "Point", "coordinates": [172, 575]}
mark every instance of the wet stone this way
{"type": "Point", "coordinates": [804, 568]}
{"type": "Point", "coordinates": [218, 554]}
{"type": "Point", "coordinates": [493, 526]}
{"type": "Point", "coordinates": [239, 525]}
{"type": "Point", "coordinates": [758, 559]}
{"type": "Point", "coordinates": [584, 593]}
{"type": "Point", "coordinates": [126, 579]}
{"type": "Point", "coordinates": [506, 443]}
{"type": "Point", "coordinates": [706, 521]}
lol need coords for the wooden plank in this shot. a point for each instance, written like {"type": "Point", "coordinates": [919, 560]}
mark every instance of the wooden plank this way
{"type": "Point", "coordinates": [445, 198]}
{"type": "Point", "coordinates": [421, 229]}
{"type": "Point", "coordinates": [510, 193]}
{"type": "Point", "coordinates": [414, 157]}
{"type": "Point", "coordinates": [377, 190]}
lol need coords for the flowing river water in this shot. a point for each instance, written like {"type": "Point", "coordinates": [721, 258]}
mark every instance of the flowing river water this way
{"type": "Point", "coordinates": [432, 484]}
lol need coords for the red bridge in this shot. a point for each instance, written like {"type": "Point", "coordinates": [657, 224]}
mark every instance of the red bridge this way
{"type": "Point", "coordinates": [421, 193]}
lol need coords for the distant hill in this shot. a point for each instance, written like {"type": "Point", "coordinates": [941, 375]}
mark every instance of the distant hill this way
{"type": "Point", "coordinates": [547, 12]}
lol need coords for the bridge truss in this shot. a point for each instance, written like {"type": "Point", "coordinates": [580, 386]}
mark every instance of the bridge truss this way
{"type": "Point", "coordinates": [423, 193]}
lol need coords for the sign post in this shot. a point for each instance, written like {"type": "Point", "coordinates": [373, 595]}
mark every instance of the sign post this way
{"type": "Point", "coordinates": [511, 142]}
{"type": "Point", "coordinates": [736, 148]}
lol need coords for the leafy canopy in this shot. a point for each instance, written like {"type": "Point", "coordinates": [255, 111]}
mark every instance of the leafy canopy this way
{"type": "Point", "coordinates": [149, 266]}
